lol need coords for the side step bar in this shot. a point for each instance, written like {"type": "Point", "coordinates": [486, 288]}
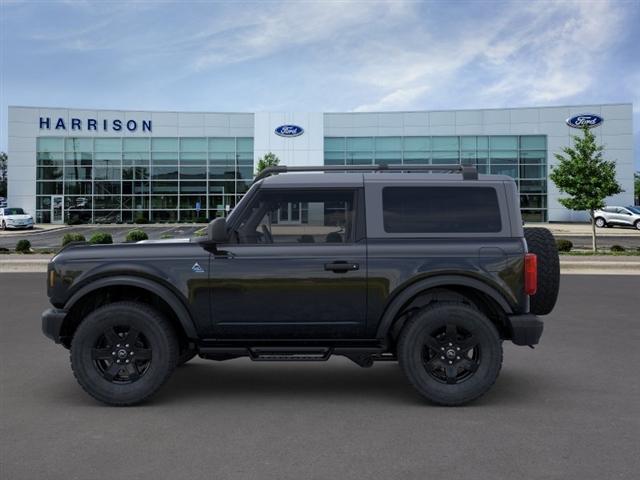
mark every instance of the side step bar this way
{"type": "Point", "coordinates": [287, 354]}
{"type": "Point", "coordinates": [361, 355]}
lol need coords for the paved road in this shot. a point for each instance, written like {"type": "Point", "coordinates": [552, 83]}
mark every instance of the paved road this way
{"type": "Point", "coordinates": [567, 410]}
{"type": "Point", "coordinates": [53, 239]}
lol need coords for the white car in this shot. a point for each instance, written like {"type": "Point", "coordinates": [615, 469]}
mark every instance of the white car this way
{"type": "Point", "coordinates": [15, 218]}
{"type": "Point", "coordinates": [623, 216]}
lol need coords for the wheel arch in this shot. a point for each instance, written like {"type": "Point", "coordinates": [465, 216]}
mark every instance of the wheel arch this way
{"type": "Point", "coordinates": [419, 294]}
{"type": "Point", "coordinates": [127, 287]}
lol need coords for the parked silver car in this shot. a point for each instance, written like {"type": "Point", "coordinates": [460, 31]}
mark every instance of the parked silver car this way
{"type": "Point", "coordinates": [623, 216]}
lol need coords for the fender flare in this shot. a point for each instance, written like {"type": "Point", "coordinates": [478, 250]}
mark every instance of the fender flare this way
{"type": "Point", "coordinates": [174, 302]}
{"type": "Point", "coordinates": [407, 293]}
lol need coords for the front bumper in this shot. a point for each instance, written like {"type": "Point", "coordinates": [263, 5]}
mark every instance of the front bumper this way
{"type": "Point", "coordinates": [525, 329]}
{"type": "Point", "coordinates": [52, 320]}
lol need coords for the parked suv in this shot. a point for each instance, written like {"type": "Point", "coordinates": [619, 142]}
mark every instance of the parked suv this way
{"type": "Point", "coordinates": [15, 218]}
{"type": "Point", "coordinates": [624, 216]}
{"type": "Point", "coordinates": [432, 270]}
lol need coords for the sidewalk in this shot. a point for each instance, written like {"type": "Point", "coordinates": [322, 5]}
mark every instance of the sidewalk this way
{"type": "Point", "coordinates": [586, 265]}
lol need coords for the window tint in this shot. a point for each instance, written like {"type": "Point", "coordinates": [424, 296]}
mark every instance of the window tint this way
{"type": "Point", "coordinates": [299, 217]}
{"type": "Point", "coordinates": [440, 210]}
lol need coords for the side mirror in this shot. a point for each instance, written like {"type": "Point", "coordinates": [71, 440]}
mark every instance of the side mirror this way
{"type": "Point", "coordinates": [217, 230]}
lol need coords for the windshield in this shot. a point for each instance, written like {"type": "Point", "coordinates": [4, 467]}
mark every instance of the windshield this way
{"type": "Point", "coordinates": [13, 211]}
{"type": "Point", "coordinates": [634, 209]}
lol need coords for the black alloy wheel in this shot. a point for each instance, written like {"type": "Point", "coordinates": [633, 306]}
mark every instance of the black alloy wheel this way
{"type": "Point", "coordinates": [451, 354]}
{"type": "Point", "coordinates": [122, 354]}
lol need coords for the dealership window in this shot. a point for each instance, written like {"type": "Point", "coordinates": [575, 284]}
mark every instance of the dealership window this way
{"type": "Point", "coordinates": [165, 179]}
{"type": "Point", "coordinates": [523, 157]}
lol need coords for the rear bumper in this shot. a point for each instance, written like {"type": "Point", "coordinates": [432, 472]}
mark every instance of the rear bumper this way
{"type": "Point", "coordinates": [525, 329]}
{"type": "Point", "coordinates": [52, 320]}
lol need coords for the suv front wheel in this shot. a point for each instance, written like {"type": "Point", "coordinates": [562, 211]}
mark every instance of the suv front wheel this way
{"type": "Point", "coordinates": [123, 352]}
{"type": "Point", "coordinates": [450, 352]}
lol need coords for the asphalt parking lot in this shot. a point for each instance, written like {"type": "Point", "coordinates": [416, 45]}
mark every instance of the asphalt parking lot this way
{"type": "Point", "coordinates": [567, 410]}
{"type": "Point", "coordinates": [53, 238]}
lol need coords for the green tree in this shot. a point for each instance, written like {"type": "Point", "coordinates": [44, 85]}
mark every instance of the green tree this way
{"type": "Point", "coordinates": [636, 188]}
{"type": "Point", "coordinates": [268, 160]}
{"type": "Point", "coordinates": [585, 177]}
{"type": "Point", "coordinates": [3, 174]}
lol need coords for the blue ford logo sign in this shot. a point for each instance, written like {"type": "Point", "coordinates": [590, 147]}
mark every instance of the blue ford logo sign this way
{"type": "Point", "coordinates": [583, 120]}
{"type": "Point", "coordinates": [289, 131]}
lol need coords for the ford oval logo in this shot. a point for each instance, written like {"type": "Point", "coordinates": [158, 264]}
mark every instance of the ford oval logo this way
{"type": "Point", "coordinates": [289, 131]}
{"type": "Point", "coordinates": [583, 120]}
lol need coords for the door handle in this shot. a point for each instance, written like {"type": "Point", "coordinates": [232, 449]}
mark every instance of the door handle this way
{"type": "Point", "coordinates": [341, 267]}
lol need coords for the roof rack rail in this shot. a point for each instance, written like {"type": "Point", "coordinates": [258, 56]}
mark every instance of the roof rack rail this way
{"type": "Point", "coordinates": [469, 172]}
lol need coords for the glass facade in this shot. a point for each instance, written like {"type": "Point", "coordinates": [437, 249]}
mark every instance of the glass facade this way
{"type": "Point", "coordinates": [112, 180]}
{"type": "Point", "coordinates": [523, 157]}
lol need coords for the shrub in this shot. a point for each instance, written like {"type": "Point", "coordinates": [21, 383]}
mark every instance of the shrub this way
{"type": "Point", "coordinates": [166, 235]}
{"type": "Point", "coordinates": [72, 237]}
{"type": "Point", "coordinates": [202, 220]}
{"type": "Point", "coordinates": [136, 235]}
{"type": "Point", "coordinates": [74, 220]}
{"type": "Point", "coordinates": [4, 250]}
{"type": "Point", "coordinates": [564, 245]}
{"type": "Point", "coordinates": [100, 238]}
{"type": "Point", "coordinates": [201, 233]}
{"type": "Point", "coordinates": [23, 246]}
{"type": "Point", "coordinates": [142, 220]}
{"type": "Point", "coordinates": [617, 248]}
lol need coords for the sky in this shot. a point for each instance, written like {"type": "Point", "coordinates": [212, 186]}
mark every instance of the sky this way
{"type": "Point", "coordinates": [318, 55]}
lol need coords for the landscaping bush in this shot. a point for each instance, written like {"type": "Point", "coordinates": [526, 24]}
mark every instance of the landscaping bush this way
{"type": "Point", "coordinates": [142, 220]}
{"type": "Point", "coordinates": [564, 245]}
{"type": "Point", "coordinates": [4, 250]}
{"type": "Point", "coordinates": [137, 235]}
{"type": "Point", "coordinates": [201, 233]}
{"type": "Point", "coordinates": [23, 246]}
{"type": "Point", "coordinates": [72, 237]}
{"type": "Point", "coordinates": [100, 238]}
{"type": "Point", "coordinates": [202, 220]}
{"type": "Point", "coordinates": [617, 248]}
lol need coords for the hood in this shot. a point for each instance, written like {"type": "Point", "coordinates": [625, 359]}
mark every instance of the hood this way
{"type": "Point", "coordinates": [18, 217]}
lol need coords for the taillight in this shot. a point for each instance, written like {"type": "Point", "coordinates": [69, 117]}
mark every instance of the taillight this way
{"type": "Point", "coordinates": [530, 273]}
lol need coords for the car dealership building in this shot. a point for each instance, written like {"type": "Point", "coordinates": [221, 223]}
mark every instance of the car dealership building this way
{"type": "Point", "coordinates": [98, 166]}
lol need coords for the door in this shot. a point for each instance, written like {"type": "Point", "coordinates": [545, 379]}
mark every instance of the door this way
{"type": "Point", "coordinates": [623, 216]}
{"type": "Point", "coordinates": [284, 279]}
{"type": "Point", "coordinates": [57, 209]}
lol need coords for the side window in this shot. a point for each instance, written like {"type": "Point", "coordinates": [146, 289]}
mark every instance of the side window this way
{"type": "Point", "coordinates": [324, 216]}
{"type": "Point", "coordinates": [440, 210]}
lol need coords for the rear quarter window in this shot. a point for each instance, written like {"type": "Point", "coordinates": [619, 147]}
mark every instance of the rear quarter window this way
{"type": "Point", "coordinates": [440, 210]}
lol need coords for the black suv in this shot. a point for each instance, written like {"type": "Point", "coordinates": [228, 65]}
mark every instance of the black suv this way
{"type": "Point", "coordinates": [433, 270]}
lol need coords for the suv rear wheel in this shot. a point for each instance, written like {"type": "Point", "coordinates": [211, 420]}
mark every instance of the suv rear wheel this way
{"type": "Point", "coordinates": [451, 353]}
{"type": "Point", "coordinates": [123, 352]}
{"type": "Point", "coordinates": [601, 222]}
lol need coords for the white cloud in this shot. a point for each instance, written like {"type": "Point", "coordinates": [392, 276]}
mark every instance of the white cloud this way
{"type": "Point", "coordinates": [537, 53]}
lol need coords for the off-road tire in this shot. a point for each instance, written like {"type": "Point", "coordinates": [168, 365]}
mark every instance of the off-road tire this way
{"type": "Point", "coordinates": [411, 352]}
{"type": "Point", "coordinates": [153, 327]}
{"type": "Point", "coordinates": [541, 242]}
